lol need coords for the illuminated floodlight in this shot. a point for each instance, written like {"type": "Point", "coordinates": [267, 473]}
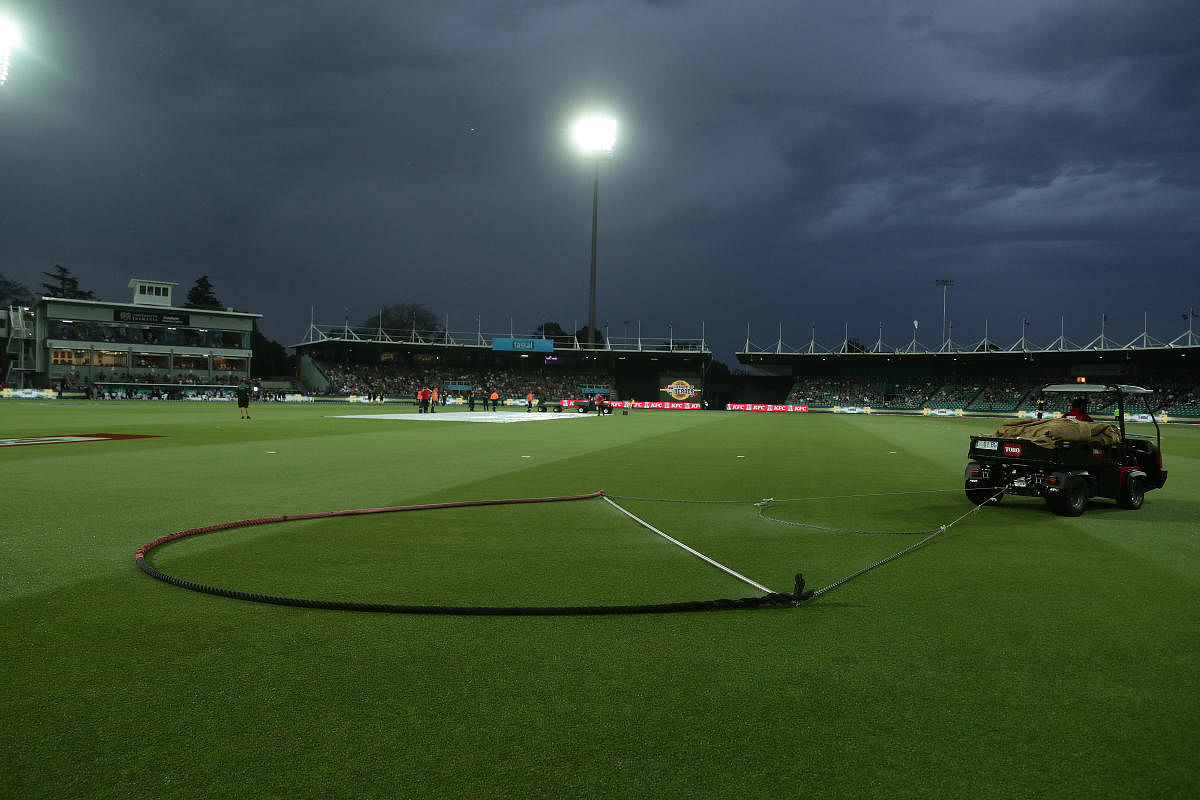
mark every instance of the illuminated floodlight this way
{"type": "Point", "coordinates": [595, 136]}
{"type": "Point", "coordinates": [10, 38]}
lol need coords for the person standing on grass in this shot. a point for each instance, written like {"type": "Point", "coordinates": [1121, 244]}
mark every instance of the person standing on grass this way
{"type": "Point", "coordinates": [243, 399]}
{"type": "Point", "coordinates": [495, 398]}
{"type": "Point", "coordinates": [433, 400]}
{"type": "Point", "coordinates": [529, 402]}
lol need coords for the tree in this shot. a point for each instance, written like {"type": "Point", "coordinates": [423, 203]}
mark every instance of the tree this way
{"type": "Point", "coordinates": [201, 296]}
{"type": "Point", "coordinates": [582, 336]}
{"type": "Point", "coordinates": [13, 293]}
{"type": "Point", "coordinates": [552, 330]}
{"type": "Point", "coordinates": [65, 285]}
{"type": "Point", "coordinates": [404, 317]}
{"type": "Point", "coordinates": [270, 358]}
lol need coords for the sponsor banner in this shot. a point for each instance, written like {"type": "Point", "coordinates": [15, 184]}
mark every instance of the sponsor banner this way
{"type": "Point", "coordinates": [765, 407]}
{"type": "Point", "coordinates": [1144, 418]}
{"type": "Point", "coordinates": [942, 412]}
{"type": "Point", "coordinates": [27, 394]}
{"type": "Point", "coordinates": [1035, 415]}
{"type": "Point", "coordinates": [659, 404]}
{"type": "Point", "coordinates": [151, 317]}
{"type": "Point", "coordinates": [298, 398]}
{"type": "Point", "coordinates": [852, 409]}
{"type": "Point", "coordinates": [667, 405]}
{"type": "Point", "coordinates": [523, 345]}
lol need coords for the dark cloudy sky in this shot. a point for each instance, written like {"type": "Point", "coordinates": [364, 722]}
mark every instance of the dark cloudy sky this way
{"type": "Point", "coordinates": [813, 162]}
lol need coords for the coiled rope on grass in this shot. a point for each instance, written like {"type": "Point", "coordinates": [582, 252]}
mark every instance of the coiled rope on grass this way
{"type": "Point", "coordinates": [141, 559]}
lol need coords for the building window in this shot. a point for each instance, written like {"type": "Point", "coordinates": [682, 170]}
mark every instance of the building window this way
{"type": "Point", "coordinates": [112, 358]}
{"type": "Point", "coordinates": [74, 358]}
{"type": "Point", "coordinates": [151, 360]}
{"type": "Point", "coordinates": [191, 362]}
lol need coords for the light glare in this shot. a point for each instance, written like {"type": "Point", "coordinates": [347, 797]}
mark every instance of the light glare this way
{"type": "Point", "coordinates": [10, 37]}
{"type": "Point", "coordinates": [595, 135]}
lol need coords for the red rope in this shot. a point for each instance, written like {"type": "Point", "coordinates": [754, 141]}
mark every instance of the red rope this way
{"type": "Point", "coordinates": [246, 523]}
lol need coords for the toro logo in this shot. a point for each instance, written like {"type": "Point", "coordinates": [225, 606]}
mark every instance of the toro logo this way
{"type": "Point", "coordinates": [1012, 449]}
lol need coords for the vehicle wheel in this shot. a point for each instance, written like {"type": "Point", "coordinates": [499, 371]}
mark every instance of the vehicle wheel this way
{"type": "Point", "coordinates": [1072, 500]}
{"type": "Point", "coordinates": [1132, 494]}
{"type": "Point", "coordinates": [980, 496]}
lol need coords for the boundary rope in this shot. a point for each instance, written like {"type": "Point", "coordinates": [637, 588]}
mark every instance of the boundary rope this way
{"type": "Point", "coordinates": [696, 553]}
{"type": "Point", "coordinates": [141, 559]}
{"type": "Point", "coordinates": [800, 593]}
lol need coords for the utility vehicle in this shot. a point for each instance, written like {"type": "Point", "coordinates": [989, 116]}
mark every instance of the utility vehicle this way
{"type": "Point", "coordinates": [1069, 470]}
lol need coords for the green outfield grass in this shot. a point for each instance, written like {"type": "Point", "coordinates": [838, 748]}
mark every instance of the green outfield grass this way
{"type": "Point", "coordinates": [1017, 654]}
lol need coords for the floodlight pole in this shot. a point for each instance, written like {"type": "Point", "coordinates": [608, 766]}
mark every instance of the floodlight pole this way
{"type": "Point", "coordinates": [592, 284]}
{"type": "Point", "coordinates": [594, 136]}
{"type": "Point", "coordinates": [945, 284]}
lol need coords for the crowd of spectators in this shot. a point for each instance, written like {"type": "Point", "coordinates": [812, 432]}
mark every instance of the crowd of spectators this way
{"type": "Point", "coordinates": [1003, 396]}
{"type": "Point", "coordinates": [848, 392]}
{"type": "Point", "coordinates": [1175, 396]}
{"type": "Point", "coordinates": [830, 392]}
{"type": "Point", "coordinates": [999, 396]}
{"type": "Point", "coordinates": [402, 381]}
{"type": "Point", "coordinates": [953, 395]}
{"type": "Point", "coordinates": [73, 380]}
{"type": "Point", "coordinates": [906, 395]}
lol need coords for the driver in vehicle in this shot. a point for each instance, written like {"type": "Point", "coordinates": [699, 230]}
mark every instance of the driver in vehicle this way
{"type": "Point", "coordinates": [1079, 410]}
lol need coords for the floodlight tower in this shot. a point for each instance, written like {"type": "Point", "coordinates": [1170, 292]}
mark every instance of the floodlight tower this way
{"type": "Point", "coordinates": [595, 137]}
{"type": "Point", "coordinates": [945, 284]}
{"type": "Point", "coordinates": [10, 39]}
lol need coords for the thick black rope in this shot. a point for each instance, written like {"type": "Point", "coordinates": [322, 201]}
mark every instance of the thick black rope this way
{"type": "Point", "coordinates": [776, 600]}
{"type": "Point", "coordinates": [770, 600]}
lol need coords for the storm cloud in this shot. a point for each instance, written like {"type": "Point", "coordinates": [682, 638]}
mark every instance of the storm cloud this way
{"type": "Point", "coordinates": [807, 167]}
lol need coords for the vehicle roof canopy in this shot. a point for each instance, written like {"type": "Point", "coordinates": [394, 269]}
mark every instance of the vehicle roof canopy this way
{"type": "Point", "coordinates": [1095, 388]}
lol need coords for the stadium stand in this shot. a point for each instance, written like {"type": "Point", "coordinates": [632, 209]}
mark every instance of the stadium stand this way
{"type": "Point", "coordinates": [402, 381]}
{"type": "Point", "coordinates": [1001, 396]}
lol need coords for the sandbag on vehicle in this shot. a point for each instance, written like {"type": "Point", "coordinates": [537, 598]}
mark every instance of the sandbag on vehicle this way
{"type": "Point", "coordinates": [1045, 432]}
